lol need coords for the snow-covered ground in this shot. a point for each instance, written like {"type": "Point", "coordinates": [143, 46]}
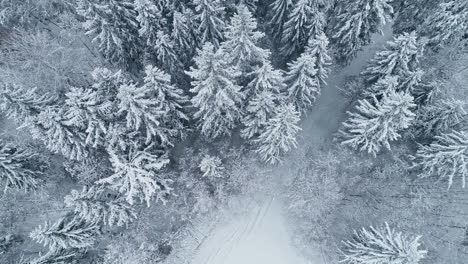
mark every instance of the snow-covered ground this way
{"type": "Point", "coordinates": [259, 236]}
{"type": "Point", "coordinates": [258, 233]}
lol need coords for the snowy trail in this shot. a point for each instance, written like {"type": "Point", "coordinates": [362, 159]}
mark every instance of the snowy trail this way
{"type": "Point", "coordinates": [261, 236]}
{"type": "Point", "coordinates": [258, 237]}
{"type": "Point", "coordinates": [329, 111]}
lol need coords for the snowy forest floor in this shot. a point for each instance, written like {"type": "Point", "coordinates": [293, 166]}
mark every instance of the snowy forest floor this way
{"type": "Point", "coordinates": [258, 231]}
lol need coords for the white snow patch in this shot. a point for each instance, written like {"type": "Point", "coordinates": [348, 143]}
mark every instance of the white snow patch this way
{"type": "Point", "coordinates": [258, 237]}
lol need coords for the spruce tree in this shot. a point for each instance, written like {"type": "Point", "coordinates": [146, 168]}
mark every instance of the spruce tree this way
{"type": "Point", "coordinates": [400, 57]}
{"type": "Point", "coordinates": [411, 81]}
{"type": "Point", "coordinates": [113, 26]}
{"type": "Point", "coordinates": [318, 47]}
{"type": "Point", "coordinates": [303, 86]}
{"type": "Point", "coordinates": [164, 48]}
{"type": "Point", "coordinates": [279, 15]}
{"type": "Point", "coordinates": [45, 120]}
{"type": "Point", "coordinates": [106, 83]}
{"type": "Point", "coordinates": [382, 246]}
{"type": "Point", "coordinates": [266, 78]}
{"type": "Point", "coordinates": [94, 207]}
{"type": "Point", "coordinates": [448, 23]}
{"type": "Point", "coordinates": [136, 176]}
{"type": "Point", "coordinates": [446, 157]}
{"type": "Point", "coordinates": [354, 23]}
{"type": "Point", "coordinates": [59, 256]}
{"type": "Point", "coordinates": [150, 20]}
{"type": "Point", "coordinates": [59, 136]}
{"type": "Point", "coordinates": [22, 105]}
{"type": "Point", "coordinates": [412, 14]}
{"type": "Point", "coordinates": [296, 30]}
{"type": "Point", "coordinates": [20, 168]}
{"type": "Point", "coordinates": [441, 117]}
{"type": "Point", "coordinates": [318, 20]}
{"type": "Point", "coordinates": [210, 18]}
{"type": "Point", "coordinates": [184, 35]}
{"type": "Point", "coordinates": [170, 99]}
{"type": "Point", "coordinates": [89, 112]}
{"type": "Point", "coordinates": [212, 167]}
{"type": "Point", "coordinates": [376, 123]}
{"type": "Point", "coordinates": [241, 44]}
{"type": "Point", "coordinates": [279, 134]}
{"type": "Point", "coordinates": [66, 233]}
{"type": "Point", "coordinates": [217, 98]}
{"type": "Point", "coordinates": [382, 86]}
{"type": "Point", "coordinates": [259, 110]}
{"type": "Point", "coordinates": [266, 92]}
{"type": "Point", "coordinates": [143, 114]}
{"type": "Point", "coordinates": [250, 4]}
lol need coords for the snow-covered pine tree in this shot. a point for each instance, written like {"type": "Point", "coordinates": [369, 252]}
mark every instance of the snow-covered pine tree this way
{"type": "Point", "coordinates": [266, 78]}
{"type": "Point", "coordinates": [376, 123]}
{"type": "Point", "coordinates": [143, 114]}
{"type": "Point", "coordinates": [121, 137]}
{"type": "Point", "coordinates": [210, 18]}
{"type": "Point", "coordinates": [279, 15]}
{"type": "Point", "coordinates": [259, 110]}
{"type": "Point", "coordinates": [170, 99]}
{"type": "Point", "coordinates": [59, 256]}
{"type": "Point", "coordinates": [89, 112]}
{"type": "Point", "coordinates": [22, 105]}
{"type": "Point", "coordinates": [107, 83]}
{"type": "Point", "coordinates": [446, 157]}
{"type": "Point", "coordinates": [318, 47]}
{"type": "Point", "coordinates": [94, 207]}
{"type": "Point", "coordinates": [184, 35]}
{"type": "Point", "coordinates": [382, 246]}
{"type": "Point", "coordinates": [318, 20]}
{"type": "Point", "coordinates": [401, 56]}
{"type": "Point", "coordinates": [250, 4]}
{"type": "Point", "coordinates": [448, 23]}
{"type": "Point", "coordinates": [279, 134]}
{"type": "Point", "coordinates": [296, 30]}
{"type": "Point", "coordinates": [241, 44]}
{"type": "Point", "coordinates": [58, 135]}
{"type": "Point", "coordinates": [66, 233]}
{"type": "Point", "coordinates": [441, 117]}
{"type": "Point", "coordinates": [136, 176]}
{"type": "Point", "coordinates": [383, 86]}
{"type": "Point", "coordinates": [45, 120]}
{"type": "Point", "coordinates": [20, 168]}
{"type": "Point", "coordinates": [303, 86]}
{"type": "Point", "coordinates": [217, 98]}
{"type": "Point", "coordinates": [426, 93]}
{"type": "Point", "coordinates": [113, 26]}
{"type": "Point", "coordinates": [354, 24]}
{"type": "Point", "coordinates": [266, 92]}
{"type": "Point", "coordinates": [164, 49]}
{"type": "Point", "coordinates": [410, 81]}
{"type": "Point", "coordinates": [212, 167]}
{"type": "Point", "coordinates": [150, 20]}
{"type": "Point", "coordinates": [411, 14]}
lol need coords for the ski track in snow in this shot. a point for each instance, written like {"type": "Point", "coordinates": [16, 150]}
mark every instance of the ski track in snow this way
{"type": "Point", "coordinates": [261, 236]}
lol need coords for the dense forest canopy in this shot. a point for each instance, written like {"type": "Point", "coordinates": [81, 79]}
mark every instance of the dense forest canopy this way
{"type": "Point", "coordinates": [126, 122]}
